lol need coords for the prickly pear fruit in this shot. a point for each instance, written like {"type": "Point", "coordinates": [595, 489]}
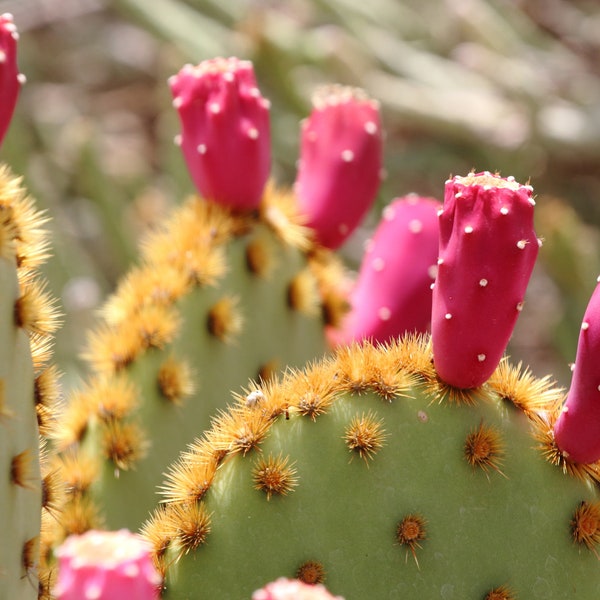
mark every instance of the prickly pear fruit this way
{"type": "Point", "coordinates": [392, 294]}
{"type": "Point", "coordinates": [225, 135]}
{"type": "Point", "coordinates": [487, 251]}
{"type": "Point", "coordinates": [368, 474]}
{"type": "Point", "coordinates": [293, 589]}
{"type": "Point", "coordinates": [10, 78]}
{"type": "Point", "coordinates": [105, 565]}
{"type": "Point", "coordinates": [340, 162]}
{"type": "Point", "coordinates": [577, 430]}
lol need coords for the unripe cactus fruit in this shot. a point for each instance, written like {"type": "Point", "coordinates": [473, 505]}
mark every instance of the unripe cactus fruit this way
{"type": "Point", "coordinates": [292, 589]}
{"type": "Point", "coordinates": [367, 473]}
{"type": "Point", "coordinates": [487, 251]}
{"type": "Point", "coordinates": [225, 135]}
{"type": "Point", "coordinates": [103, 565]}
{"type": "Point", "coordinates": [577, 430]}
{"type": "Point", "coordinates": [392, 293]}
{"type": "Point", "coordinates": [10, 78]}
{"type": "Point", "coordinates": [340, 164]}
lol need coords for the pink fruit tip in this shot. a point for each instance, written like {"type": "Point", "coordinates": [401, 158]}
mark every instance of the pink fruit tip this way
{"type": "Point", "coordinates": [488, 248]}
{"type": "Point", "coordinates": [293, 589]}
{"type": "Point", "coordinates": [104, 565]}
{"type": "Point", "coordinates": [577, 429]}
{"type": "Point", "coordinates": [340, 164]}
{"type": "Point", "coordinates": [10, 78]}
{"type": "Point", "coordinates": [225, 138]}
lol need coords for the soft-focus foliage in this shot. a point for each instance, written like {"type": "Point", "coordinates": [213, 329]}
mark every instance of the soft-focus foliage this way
{"type": "Point", "coordinates": [486, 84]}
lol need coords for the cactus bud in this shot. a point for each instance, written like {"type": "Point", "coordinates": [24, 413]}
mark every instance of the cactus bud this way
{"type": "Point", "coordinates": [225, 137]}
{"type": "Point", "coordinates": [392, 294]}
{"type": "Point", "coordinates": [487, 251]}
{"type": "Point", "coordinates": [292, 589]}
{"type": "Point", "coordinates": [340, 162]}
{"type": "Point", "coordinates": [577, 429]}
{"type": "Point", "coordinates": [10, 78]}
{"type": "Point", "coordinates": [103, 565]}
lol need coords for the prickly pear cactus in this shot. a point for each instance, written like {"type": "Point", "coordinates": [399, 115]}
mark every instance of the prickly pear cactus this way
{"type": "Point", "coordinates": [233, 288]}
{"type": "Point", "coordinates": [218, 299]}
{"type": "Point", "coordinates": [367, 472]}
{"type": "Point", "coordinates": [28, 393]}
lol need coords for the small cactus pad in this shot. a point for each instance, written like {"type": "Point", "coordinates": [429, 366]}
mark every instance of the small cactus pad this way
{"type": "Point", "coordinates": [105, 565]}
{"type": "Point", "coordinates": [487, 251]}
{"type": "Point", "coordinates": [577, 430]}
{"type": "Point", "coordinates": [225, 135]}
{"type": "Point", "coordinates": [340, 164]}
{"type": "Point", "coordinates": [398, 487]}
{"type": "Point", "coordinates": [392, 293]}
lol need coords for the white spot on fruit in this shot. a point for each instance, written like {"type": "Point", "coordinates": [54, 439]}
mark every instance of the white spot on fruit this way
{"type": "Point", "coordinates": [384, 313]}
{"type": "Point", "coordinates": [415, 226]}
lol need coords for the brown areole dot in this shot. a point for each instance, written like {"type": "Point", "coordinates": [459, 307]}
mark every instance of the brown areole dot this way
{"type": "Point", "coordinates": [410, 531]}
{"type": "Point", "coordinates": [484, 449]}
{"type": "Point", "coordinates": [365, 435]}
{"type": "Point", "coordinates": [274, 476]}
{"type": "Point", "coordinates": [585, 525]}
{"type": "Point", "coordinates": [311, 572]}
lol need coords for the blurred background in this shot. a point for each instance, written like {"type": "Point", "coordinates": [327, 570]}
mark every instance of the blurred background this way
{"type": "Point", "coordinates": [506, 85]}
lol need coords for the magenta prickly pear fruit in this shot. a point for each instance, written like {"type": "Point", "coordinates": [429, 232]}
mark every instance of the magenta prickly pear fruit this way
{"type": "Point", "coordinates": [225, 136]}
{"type": "Point", "coordinates": [103, 565]}
{"type": "Point", "coordinates": [10, 78]}
{"type": "Point", "coordinates": [487, 251]}
{"type": "Point", "coordinates": [392, 294]}
{"type": "Point", "coordinates": [293, 589]}
{"type": "Point", "coordinates": [577, 429]}
{"type": "Point", "coordinates": [340, 162]}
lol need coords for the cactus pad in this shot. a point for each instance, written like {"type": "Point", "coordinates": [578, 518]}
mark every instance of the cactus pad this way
{"type": "Point", "coordinates": [388, 483]}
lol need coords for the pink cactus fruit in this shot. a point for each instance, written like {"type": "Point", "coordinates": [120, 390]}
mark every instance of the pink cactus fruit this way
{"type": "Point", "coordinates": [392, 294]}
{"type": "Point", "coordinates": [487, 252]}
{"type": "Point", "coordinates": [293, 589]}
{"type": "Point", "coordinates": [104, 565]}
{"type": "Point", "coordinates": [225, 138]}
{"type": "Point", "coordinates": [10, 78]}
{"type": "Point", "coordinates": [340, 162]}
{"type": "Point", "coordinates": [577, 429]}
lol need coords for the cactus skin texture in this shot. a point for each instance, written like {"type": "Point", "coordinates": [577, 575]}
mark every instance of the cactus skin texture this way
{"type": "Point", "coordinates": [10, 78]}
{"type": "Point", "coordinates": [217, 300]}
{"type": "Point", "coordinates": [392, 293]}
{"type": "Point", "coordinates": [340, 162]}
{"type": "Point", "coordinates": [367, 466]}
{"type": "Point", "coordinates": [103, 565]}
{"type": "Point", "coordinates": [577, 430]}
{"type": "Point", "coordinates": [292, 589]}
{"type": "Point", "coordinates": [487, 251]}
{"type": "Point", "coordinates": [225, 135]}
{"type": "Point", "coordinates": [27, 389]}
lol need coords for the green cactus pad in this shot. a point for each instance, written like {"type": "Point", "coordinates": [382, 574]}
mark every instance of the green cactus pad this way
{"type": "Point", "coordinates": [394, 486]}
{"type": "Point", "coordinates": [27, 407]}
{"type": "Point", "coordinates": [224, 299]}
